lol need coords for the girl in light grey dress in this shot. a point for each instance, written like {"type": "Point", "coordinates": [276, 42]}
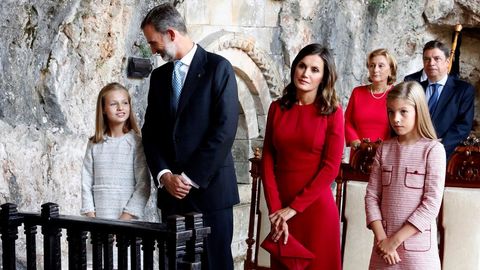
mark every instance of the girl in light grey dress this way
{"type": "Point", "coordinates": [115, 177]}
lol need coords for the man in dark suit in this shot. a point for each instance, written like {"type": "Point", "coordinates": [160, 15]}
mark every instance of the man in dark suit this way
{"type": "Point", "coordinates": [450, 100]}
{"type": "Point", "coordinates": [190, 125]}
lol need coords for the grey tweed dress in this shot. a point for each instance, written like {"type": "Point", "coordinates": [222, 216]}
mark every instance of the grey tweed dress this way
{"type": "Point", "coordinates": [115, 177]}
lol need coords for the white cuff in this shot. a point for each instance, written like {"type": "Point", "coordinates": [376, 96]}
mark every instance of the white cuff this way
{"type": "Point", "coordinates": [159, 176]}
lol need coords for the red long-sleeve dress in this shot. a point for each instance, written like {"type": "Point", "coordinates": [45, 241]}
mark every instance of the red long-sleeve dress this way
{"type": "Point", "coordinates": [366, 116]}
{"type": "Point", "coordinates": [301, 157]}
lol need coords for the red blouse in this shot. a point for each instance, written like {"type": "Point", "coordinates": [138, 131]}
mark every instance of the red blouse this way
{"type": "Point", "coordinates": [366, 116]}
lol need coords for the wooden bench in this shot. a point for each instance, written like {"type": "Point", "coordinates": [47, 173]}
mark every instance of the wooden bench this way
{"type": "Point", "coordinates": [459, 220]}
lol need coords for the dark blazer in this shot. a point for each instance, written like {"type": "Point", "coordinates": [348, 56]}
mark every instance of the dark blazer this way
{"type": "Point", "coordinates": [453, 116]}
{"type": "Point", "coordinates": [414, 76]}
{"type": "Point", "coordinates": [197, 139]}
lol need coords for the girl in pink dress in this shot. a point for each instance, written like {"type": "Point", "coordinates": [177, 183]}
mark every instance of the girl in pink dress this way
{"type": "Point", "coordinates": [406, 185]}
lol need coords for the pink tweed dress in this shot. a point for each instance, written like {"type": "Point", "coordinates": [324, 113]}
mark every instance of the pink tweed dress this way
{"type": "Point", "coordinates": [406, 185]}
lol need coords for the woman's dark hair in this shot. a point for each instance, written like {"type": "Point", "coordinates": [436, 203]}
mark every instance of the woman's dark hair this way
{"type": "Point", "coordinates": [326, 100]}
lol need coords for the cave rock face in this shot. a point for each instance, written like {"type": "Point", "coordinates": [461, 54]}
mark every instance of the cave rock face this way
{"type": "Point", "coordinates": [55, 56]}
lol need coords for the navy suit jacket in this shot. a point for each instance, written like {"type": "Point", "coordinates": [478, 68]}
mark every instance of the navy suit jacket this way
{"type": "Point", "coordinates": [197, 139]}
{"type": "Point", "coordinates": [453, 116]}
{"type": "Point", "coordinates": [414, 76]}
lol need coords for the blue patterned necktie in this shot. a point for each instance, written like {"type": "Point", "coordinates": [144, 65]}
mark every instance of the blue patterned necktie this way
{"type": "Point", "coordinates": [432, 102]}
{"type": "Point", "coordinates": [177, 82]}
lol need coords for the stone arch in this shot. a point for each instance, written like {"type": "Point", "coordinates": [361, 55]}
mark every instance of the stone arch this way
{"type": "Point", "coordinates": [223, 40]}
{"type": "Point", "coordinates": [259, 82]}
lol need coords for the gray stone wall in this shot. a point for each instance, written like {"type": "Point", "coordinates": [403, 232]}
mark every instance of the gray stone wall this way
{"type": "Point", "coordinates": [353, 28]}
{"type": "Point", "coordinates": [55, 56]}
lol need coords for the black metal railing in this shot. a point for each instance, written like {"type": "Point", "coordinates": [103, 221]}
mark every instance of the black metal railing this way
{"type": "Point", "coordinates": [179, 240]}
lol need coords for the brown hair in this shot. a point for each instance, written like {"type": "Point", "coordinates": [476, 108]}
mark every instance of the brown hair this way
{"type": "Point", "coordinates": [391, 62]}
{"type": "Point", "coordinates": [413, 92]}
{"type": "Point", "coordinates": [326, 100]}
{"type": "Point", "coordinates": [101, 126]}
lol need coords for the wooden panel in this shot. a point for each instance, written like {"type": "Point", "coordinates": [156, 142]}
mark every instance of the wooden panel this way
{"type": "Point", "coordinates": [460, 213]}
{"type": "Point", "coordinates": [357, 240]}
{"type": "Point", "coordinates": [464, 165]}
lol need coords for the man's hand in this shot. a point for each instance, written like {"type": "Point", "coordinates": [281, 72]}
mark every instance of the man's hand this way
{"type": "Point", "coordinates": [176, 185]}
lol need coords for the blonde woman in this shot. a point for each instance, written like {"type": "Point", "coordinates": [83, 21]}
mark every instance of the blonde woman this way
{"type": "Point", "coordinates": [365, 115]}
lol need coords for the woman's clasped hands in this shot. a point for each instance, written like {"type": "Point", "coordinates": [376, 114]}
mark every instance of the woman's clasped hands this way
{"type": "Point", "coordinates": [279, 223]}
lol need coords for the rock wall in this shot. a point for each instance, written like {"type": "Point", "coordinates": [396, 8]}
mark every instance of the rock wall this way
{"type": "Point", "coordinates": [54, 58]}
{"type": "Point", "coordinates": [56, 55]}
{"type": "Point", "coordinates": [353, 28]}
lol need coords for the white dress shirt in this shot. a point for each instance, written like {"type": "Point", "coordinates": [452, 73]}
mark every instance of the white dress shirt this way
{"type": "Point", "coordinates": [186, 61]}
{"type": "Point", "coordinates": [441, 83]}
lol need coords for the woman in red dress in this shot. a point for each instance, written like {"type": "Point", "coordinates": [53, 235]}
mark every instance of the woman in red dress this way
{"type": "Point", "coordinates": [365, 116]}
{"type": "Point", "coordinates": [302, 152]}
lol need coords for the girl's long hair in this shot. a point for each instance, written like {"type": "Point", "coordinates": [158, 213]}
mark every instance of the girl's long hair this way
{"type": "Point", "coordinates": [413, 92]}
{"type": "Point", "coordinates": [101, 120]}
{"type": "Point", "coordinates": [326, 100]}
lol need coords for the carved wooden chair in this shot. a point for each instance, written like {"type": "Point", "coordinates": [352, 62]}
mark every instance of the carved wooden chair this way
{"type": "Point", "coordinates": [259, 225]}
{"type": "Point", "coordinates": [357, 240]}
{"type": "Point", "coordinates": [460, 214]}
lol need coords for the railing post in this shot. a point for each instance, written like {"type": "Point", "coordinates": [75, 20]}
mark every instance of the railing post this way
{"type": "Point", "coordinates": [195, 248]}
{"type": "Point", "coordinates": [148, 247]}
{"type": "Point", "coordinates": [122, 247]}
{"type": "Point", "coordinates": [51, 237]}
{"type": "Point", "coordinates": [77, 256]}
{"type": "Point", "coordinates": [175, 224]}
{"type": "Point", "coordinates": [30, 235]}
{"type": "Point", "coordinates": [162, 254]}
{"type": "Point", "coordinates": [135, 253]}
{"type": "Point", "coordinates": [10, 220]}
{"type": "Point", "coordinates": [107, 251]}
{"type": "Point", "coordinates": [176, 241]}
{"type": "Point", "coordinates": [96, 240]}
